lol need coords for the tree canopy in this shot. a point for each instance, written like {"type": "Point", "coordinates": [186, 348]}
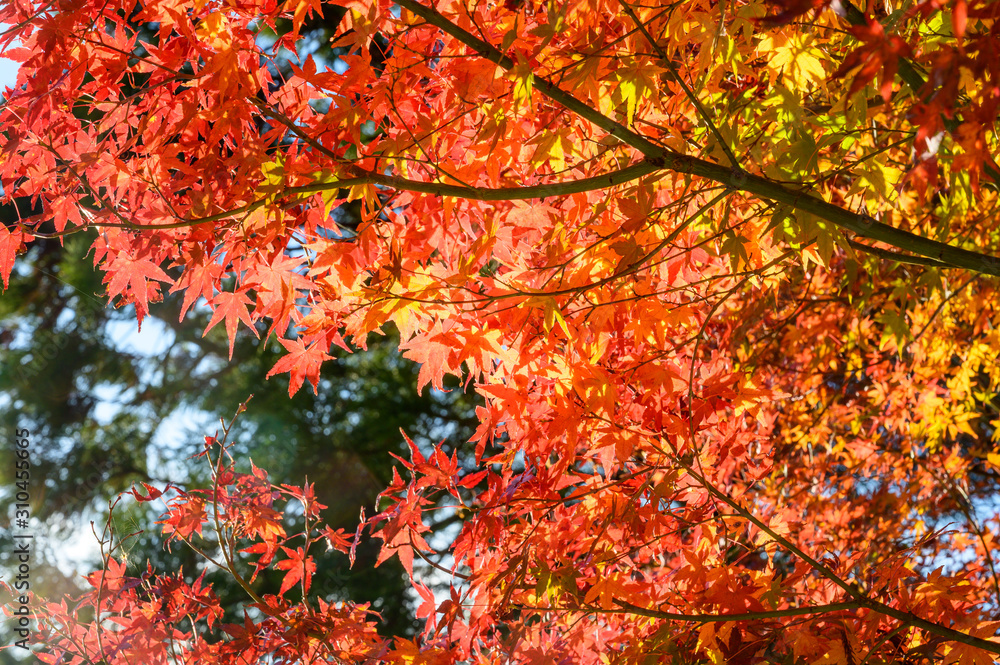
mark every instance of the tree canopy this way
{"type": "Point", "coordinates": [723, 273]}
{"type": "Point", "coordinates": [100, 415]}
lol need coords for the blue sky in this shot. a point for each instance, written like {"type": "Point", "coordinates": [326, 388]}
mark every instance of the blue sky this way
{"type": "Point", "coordinates": [8, 72]}
{"type": "Point", "coordinates": [8, 68]}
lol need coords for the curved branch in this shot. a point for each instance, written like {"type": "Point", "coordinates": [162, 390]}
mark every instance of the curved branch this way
{"type": "Point", "coordinates": [629, 608]}
{"type": "Point", "coordinates": [742, 616]}
{"type": "Point", "coordinates": [895, 256]}
{"type": "Point", "coordinates": [861, 599]}
{"type": "Point", "coordinates": [604, 181]}
{"type": "Point", "coordinates": [736, 178]}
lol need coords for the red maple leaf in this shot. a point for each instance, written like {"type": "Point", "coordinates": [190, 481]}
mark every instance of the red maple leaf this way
{"type": "Point", "coordinates": [10, 245]}
{"type": "Point", "coordinates": [198, 280]}
{"type": "Point", "coordinates": [878, 51]}
{"type": "Point", "coordinates": [300, 569]}
{"type": "Point", "coordinates": [184, 517]}
{"type": "Point", "coordinates": [232, 306]}
{"type": "Point", "coordinates": [153, 493]}
{"type": "Point", "coordinates": [128, 277]}
{"type": "Point", "coordinates": [301, 362]}
{"type": "Point", "coordinates": [438, 354]}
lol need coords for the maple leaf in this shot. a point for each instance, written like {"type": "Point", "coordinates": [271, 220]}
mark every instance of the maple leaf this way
{"type": "Point", "coordinates": [129, 277]}
{"type": "Point", "coordinates": [198, 280]}
{"type": "Point", "coordinates": [301, 362]}
{"type": "Point", "coordinates": [437, 354]}
{"type": "Point", "coordinates": [11, 243]}
{"type": "Point", "coordinates": [113, 578]}
{"type": "Point", "coordinates": [152, 493]}
{"type": "Point", "coordinates": [300, 569]}
{"type": "Point", "coordinates": [878, 51]}
{"type": "Point", "coordinates": [266, 549]}
{"type": "Point", "coordinates": [428, 607]}
{"type": "Point", "coordinates": [539, 199]}
{"type": "Point", "coordinates": [232, 307]}
{"type": "Point", "coordinates": [277, 284]}
{"type": "Point", "coordinates": [337, 539]}
{"type": "Point", "coordinates": [185, 517]}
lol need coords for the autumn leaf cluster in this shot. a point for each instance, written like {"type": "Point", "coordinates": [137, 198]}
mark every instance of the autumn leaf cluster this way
{"type": "Point", "coordinates": [722, 273]}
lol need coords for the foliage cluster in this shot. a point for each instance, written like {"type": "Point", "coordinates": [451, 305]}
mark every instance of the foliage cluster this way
{"type": "Point", "coordinates": [723, 274]}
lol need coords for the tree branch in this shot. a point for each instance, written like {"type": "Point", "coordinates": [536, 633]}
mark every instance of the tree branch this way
{"type": "Point", "coordinates": [688, 92]}
{"type": "Point", "coordinates": [736, 178]}
{"type": "Point", "coordinates": [604, 181]}
{"type": "Point", "coordinates": [629, 608]}
{"type": "Point", "coordinates": [499, 194]}
{"type": "Point", "coordinates": [742, 616]}
{"type": "Point", "coordinates": [860, 598]}
{"type": "Point", "coordinates": [895, 256]}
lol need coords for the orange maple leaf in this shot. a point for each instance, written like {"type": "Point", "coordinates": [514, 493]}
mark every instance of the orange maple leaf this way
{"type": "Point", "coordinates": [301, 362]}
{"type": "Point", "coordinates": [232, 306]}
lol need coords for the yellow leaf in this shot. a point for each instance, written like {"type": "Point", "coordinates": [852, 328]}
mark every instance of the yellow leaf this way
{"type": "Point", "coordinates": [214, 30]}
{"type": "Point", "coordinates": [795, 57]}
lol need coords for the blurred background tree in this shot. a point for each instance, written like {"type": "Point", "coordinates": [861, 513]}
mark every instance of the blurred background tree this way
{"type": "Point", "coordinates": [104, 413]}
{"type": "Point", "coordinates": [107, 407]}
